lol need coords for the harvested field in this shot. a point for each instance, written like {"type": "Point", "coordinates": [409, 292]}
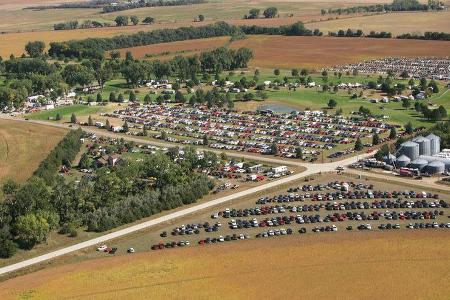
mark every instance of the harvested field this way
{"type": "Point", "coordinates": [397, 23]}
{"type": "Point", "coordinates": [177, 47]}
{"type": "Point", "coordinates": [16, 41]}
{"type": "Point", "coordinates": [23, 146]}
{"type": "Point", "coordinates": [317, 52]}
{"type": "Point", "coordinates": [399, 265]}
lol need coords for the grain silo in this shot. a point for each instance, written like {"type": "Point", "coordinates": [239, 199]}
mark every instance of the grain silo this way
{"type": "Point", "coordinates": [430, 159]}
{"type": "Point", "coordinates": [435, 167]}
{"type": "Point", "coordinates": [410, 149]}
{"type": "Point", "coordinates": [402, 161]}
{"type": "Point", "coordinates": [435, 143]}
{"type": "Point", "coordinates": [418, 163]}
{"type": "Point", "coordinates": [424, 145]}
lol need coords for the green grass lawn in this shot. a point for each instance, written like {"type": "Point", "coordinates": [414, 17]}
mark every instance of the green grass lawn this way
{"type": "Point", "coordinates": [66, 112]}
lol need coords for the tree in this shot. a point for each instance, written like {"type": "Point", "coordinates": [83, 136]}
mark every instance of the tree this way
{"type": "Point", "coordinates": [112, 97]}
{"type": "Point", "coordinates": [125, 127]}
{"type": "Point", "coordinates": [179, 97]}
{"type": "Point", "coordinates": [409, 128]}
{"type": "Point", "coordinates": [58, 117]}
{"type": "Point", "coordinates": [35, 49]}
{"type": "Point", "coordinates": [433, 85]}
{"type": "Point", "coordinates": [147, 99]}
{"type": "Point", "coordinates": [134, 20]}
{"type": "Point", "coordinates": [7, 246]}
{"type": "Point", "coordinates": [299, 152]}
{"type": "Point", "coordinates": [90, 122]}
{"type": "Point", "coordinates": [359, 145]}
{"type": "Point", "coordinates": [115, 55]}
{"type": "Point", "coordinates": [121, 20]}
{"type": "Point", "coordinates": [132, 97]}
{"type": "Point", "coordinates": [107, 125]}
{"type": "Point", "coordinates": [144, 131]}
{"type": "Point", "coordinates": [375, 139]}
{"type": "Point", "coordinates": [332, 103]}
{"type": "Point", "coordinates": [253, 13]}
{"type": "Point", "coordinates": [78, 74]}
{"type": "Point", "coordinates": [85, 161]}
{"type": "Point", "coordinates": [393, 133]}
{"type": "Point", "coordinates": [120, 98]}
{"type": "Point", "coordinates": [270, 12]}
{"type": "Point", "coordinates": [148, 20]}
{"type": "Point", "coordinates": [274, 149]}
{"type": "Point", "coordinates": [73, 119]}
{"type": "Point", "coordinates": [294, 72]}
{"type": "Point", "coordinates": [276, 72]}
{"type": "Point", "coordinates": [99, 98]}
{"type": "Point", "coordinates": [30, 230]}
{"type": "Point", "coordinates": [205, 140]}
{"type": "Point", "coordinates": [406, 103]}
{"type": "Point", "coordinates": [201, 18]}
{"type": "Point", "coordinates": [404, 74]}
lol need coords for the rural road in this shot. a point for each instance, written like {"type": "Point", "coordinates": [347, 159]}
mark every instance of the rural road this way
{"type": "Point", "coordinates": [310, 170]}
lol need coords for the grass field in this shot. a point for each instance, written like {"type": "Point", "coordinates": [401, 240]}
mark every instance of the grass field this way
{"type": "Point", "coordinates": [397, 23]}
{"type": "Point", "coordinates": [66, 112]}
{"type": "Point", "coordinates": [316, 52]}
{"type": "Point", "coordinates": [23, 146]}
{"type": "Point", "coordinates": [398, 265]}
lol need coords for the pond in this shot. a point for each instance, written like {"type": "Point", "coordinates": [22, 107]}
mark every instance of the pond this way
{"type": "Point", "coordinates": [277, 108]}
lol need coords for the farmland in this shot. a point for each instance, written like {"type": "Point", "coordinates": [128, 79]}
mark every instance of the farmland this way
{"type": "Point", "coordinates": [181, 47]}
{"type": "Point", "coordinates": [316, 52]}
{"type": "Point", "coordinates": [397, 23]}
{"type": "Point", "coordinates": [23, 146]}
{"type": "Point", "coordinates": [202, 272]}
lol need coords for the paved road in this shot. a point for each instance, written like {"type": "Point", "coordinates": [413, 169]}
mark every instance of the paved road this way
{"type": "Point", "coordinates": [310, 170]}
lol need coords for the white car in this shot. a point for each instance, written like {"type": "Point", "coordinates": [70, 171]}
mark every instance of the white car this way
{"type": "Point", "coordinates": [102, 248]}
{"type": "Point", "coordinates": [130, 250]}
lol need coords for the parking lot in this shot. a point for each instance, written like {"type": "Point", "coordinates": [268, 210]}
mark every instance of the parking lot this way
{"type": "Point", "coordinates": [329, 204]}
{"type": "Point", "coordinates": [253, 132]}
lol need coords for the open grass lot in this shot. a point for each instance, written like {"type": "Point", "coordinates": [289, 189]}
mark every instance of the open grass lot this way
{"type": "Point", "coordinates": [316, 52]}
{"type": "Point", "coordinates": [397, 23]}
{"type": "Point", "coordinates": [66, 112]}
{"type": "Point", "coordinates": [400, 265]}
{"type": "Point", "coordinates": [23, 146]}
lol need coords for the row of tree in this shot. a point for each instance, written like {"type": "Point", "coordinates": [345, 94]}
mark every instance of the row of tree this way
{"type": "Point", "coordinates": [146, 3]}
{"type": "Point", "coordinates": [396, 5]}
{"type": "Point", "coordinates": [437, 36]}
{"type": "Point", "coordinates": [268, 13]}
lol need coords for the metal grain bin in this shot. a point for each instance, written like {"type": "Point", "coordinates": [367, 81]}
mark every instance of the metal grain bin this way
{"type": "Point", "coordinates": [418, 164]}
{"type": "Point", "coordinates": [424, 145]}
{"type": "Point", "coordinates": [430, 159]}
{"type": "Point", "coordinates": [435, 167]}
{"type": "Point", "coordinates": [410, 149]}
{"type": "Point", "coordinates": [402, 161]}
{"type": "Point", "coordinates": [390, 159]}
{"type": "Point", "coordinates": [435, 143]}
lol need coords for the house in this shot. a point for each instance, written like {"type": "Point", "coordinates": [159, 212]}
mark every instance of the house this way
{"type": "Point", "coordinates": [109, 160]}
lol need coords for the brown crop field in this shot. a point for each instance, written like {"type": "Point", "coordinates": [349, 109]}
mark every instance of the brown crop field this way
{"type": "Point", "coordinates": [23, 146]}
{"type": "Point", "coordinates": [356, 265]}
{"type": "Point", "coordinates": [316, 52]}
{"type": "Point", "coordinates": [397, 23]}
{"type": "Point", "coordinates": [174, 47]}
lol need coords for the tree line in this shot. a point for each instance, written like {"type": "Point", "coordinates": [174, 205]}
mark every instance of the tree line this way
{"type": "Point", "coordinates": [396, 5]}
{"type": "Point", "coordinates": [359, 33]}
{"type": "Point", "coordinates": [143, 3]}
{"type": "Point", "coordinates": [437, 36]}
